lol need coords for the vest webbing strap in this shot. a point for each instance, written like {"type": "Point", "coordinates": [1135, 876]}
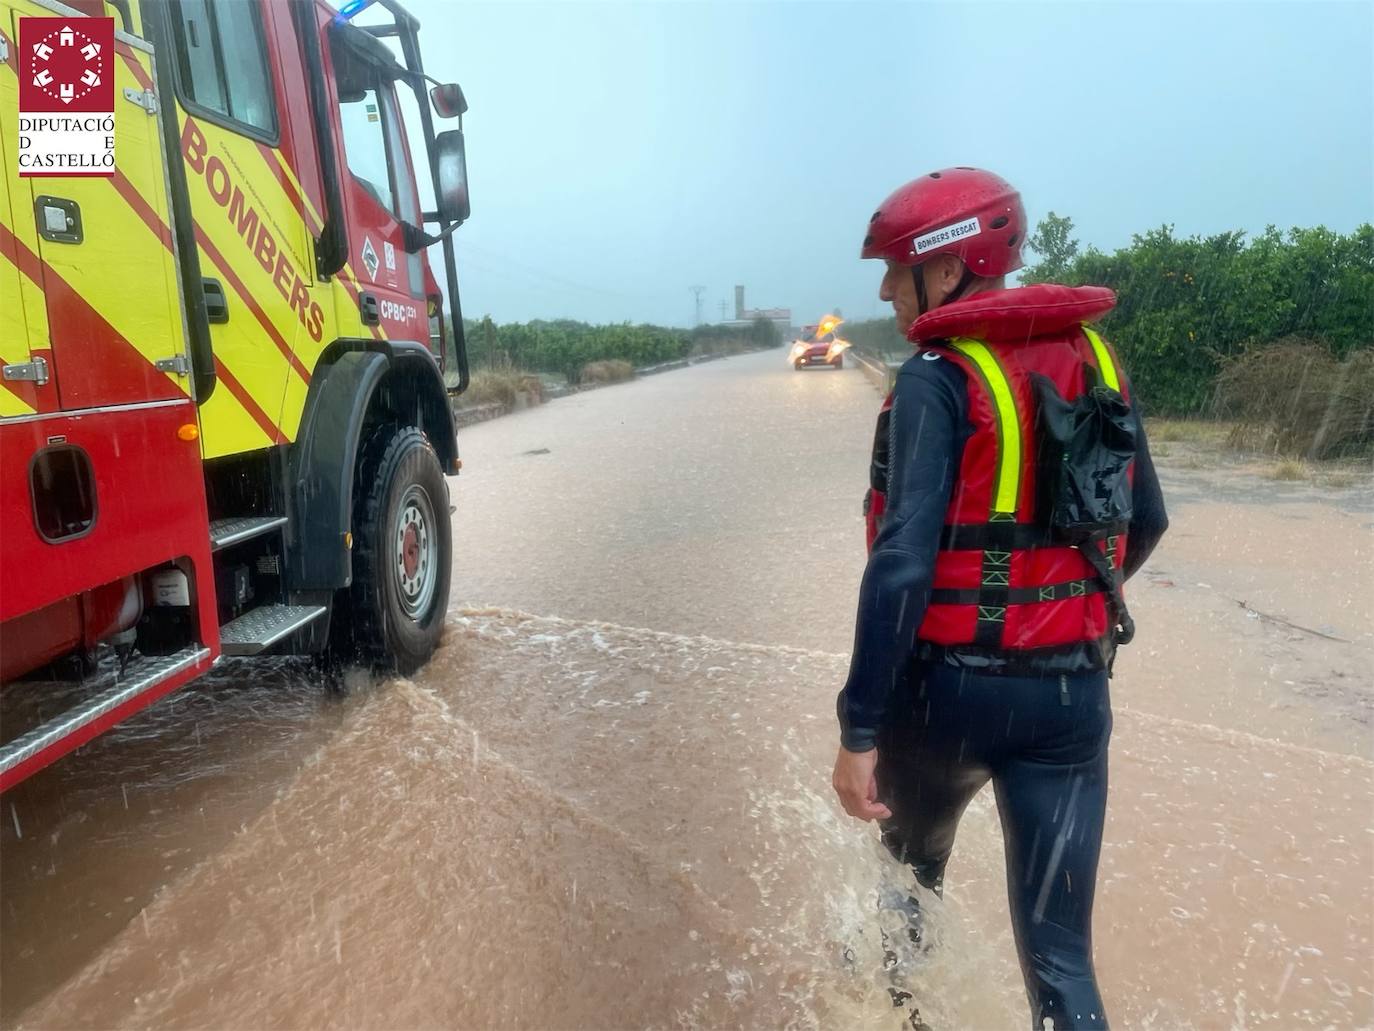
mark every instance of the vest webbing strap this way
{"type": "Point", "coordinates": [1003, 536]}
{"type": "Point", "coordinates": [1006, 536]}
{"type": "Point", "coordinates": [1007, 486]}
{"type": "Point", "coordinates": [1104, 360]}
{"type": "Point", "coordinates": [1020, 595]}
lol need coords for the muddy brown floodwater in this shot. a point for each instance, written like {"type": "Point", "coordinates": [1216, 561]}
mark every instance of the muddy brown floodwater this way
{"type": "Point", "coordinates": [606, 801]}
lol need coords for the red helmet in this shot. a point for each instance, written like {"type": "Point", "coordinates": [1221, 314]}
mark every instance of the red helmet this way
{"type": "Point", "coordinates": [972, 214]}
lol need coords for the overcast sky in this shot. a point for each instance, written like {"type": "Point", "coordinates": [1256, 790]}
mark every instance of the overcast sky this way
{"type": "Point", "coordinates": [622, 153]}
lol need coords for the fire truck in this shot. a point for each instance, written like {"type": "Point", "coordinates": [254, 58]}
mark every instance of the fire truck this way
{"type": "Point", "coordinates": [225, 412]}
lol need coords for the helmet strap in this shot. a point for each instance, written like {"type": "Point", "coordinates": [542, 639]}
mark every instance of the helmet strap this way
{"type": "Point", "coordinates": [963, 284]}
{"type": "Point", "coordinates": [918, 279]}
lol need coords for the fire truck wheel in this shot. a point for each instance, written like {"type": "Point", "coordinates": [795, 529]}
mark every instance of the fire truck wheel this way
{"type": "Point", "coordinates": [402, 550]}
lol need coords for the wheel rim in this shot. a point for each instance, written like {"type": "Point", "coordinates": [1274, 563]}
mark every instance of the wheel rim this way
{"type": "Point", "coordinates": [417, 552]}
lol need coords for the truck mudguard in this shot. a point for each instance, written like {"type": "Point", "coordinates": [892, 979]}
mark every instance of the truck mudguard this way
{"type": "Point", "coordinates": [346, 397]}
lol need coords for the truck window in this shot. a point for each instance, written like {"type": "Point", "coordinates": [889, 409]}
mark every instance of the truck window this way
{"type": "Point", "coordinates": [223, 65]}
{"type": "Point", "coordinates": [365, 143]}
{"type": "Point", "coordinates": [407, 201]}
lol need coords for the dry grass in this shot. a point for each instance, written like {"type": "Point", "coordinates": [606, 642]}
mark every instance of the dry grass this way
{"type": "Point", "coordinates": [1290, 470]}
{"type": "Point", "coordinates": [607, 372]}
{"type": "Point", "coordinates": [1294, 398]}
{"type": "Point", "coordinates": [1186, 431]}
{"type": "Point", "coordinates": [494, 386]}
{"type": "Point", "coordinates": [1195, 445]}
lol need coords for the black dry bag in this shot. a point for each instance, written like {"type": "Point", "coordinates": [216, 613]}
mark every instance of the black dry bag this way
{"type": "Point", "coordinates": [1083, 458]}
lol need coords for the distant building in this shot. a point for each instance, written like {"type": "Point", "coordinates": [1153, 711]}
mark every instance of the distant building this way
{"type": "Point", "coordinates": [744, 317]}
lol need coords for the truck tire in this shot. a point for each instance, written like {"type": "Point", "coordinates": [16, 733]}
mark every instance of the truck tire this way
{"type": "Point", "coordinates": [402, 552]}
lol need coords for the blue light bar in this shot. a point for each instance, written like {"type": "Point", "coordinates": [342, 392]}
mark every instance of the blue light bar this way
{"type": "Point", "coordinates": [353, 8]}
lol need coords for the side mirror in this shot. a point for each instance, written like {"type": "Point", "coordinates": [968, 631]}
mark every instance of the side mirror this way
{"type": "Point", "coordinates": [448, 100]}
{"type": "Point", "coordinates": [452, 186]}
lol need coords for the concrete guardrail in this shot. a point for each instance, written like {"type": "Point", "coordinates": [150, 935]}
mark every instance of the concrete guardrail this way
{"type": "Point", "coordinates": [880, 372]}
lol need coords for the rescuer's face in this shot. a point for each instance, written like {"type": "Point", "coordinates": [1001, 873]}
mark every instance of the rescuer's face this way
{"type": "Point", "coordinates": [899, 291]}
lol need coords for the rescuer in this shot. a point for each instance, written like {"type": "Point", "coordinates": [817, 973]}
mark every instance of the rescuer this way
{"type": "Point", "coordinates": [1012, 494]}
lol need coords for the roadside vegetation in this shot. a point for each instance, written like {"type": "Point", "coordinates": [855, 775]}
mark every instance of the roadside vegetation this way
{"type": "Point", "coordinates": [615, 371]}
{"type": "Point", "coordinates": [500, 386]}
{"type": "Point", "coordinates": [504, 355]}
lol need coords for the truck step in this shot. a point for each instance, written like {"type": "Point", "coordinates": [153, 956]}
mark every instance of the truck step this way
{"type": "Point", "coordinates": [256, 631]}
{"type": "Point", "coordinates": [141, 676]}
{"type": "Point", "coordinates": [224, 532]}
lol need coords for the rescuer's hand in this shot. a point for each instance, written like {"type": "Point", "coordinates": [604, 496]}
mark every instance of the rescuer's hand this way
{"type": "Point", "coordinates": [857, 785]}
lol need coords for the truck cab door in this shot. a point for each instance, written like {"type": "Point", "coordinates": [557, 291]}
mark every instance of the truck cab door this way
{"type": "Point", "coordinates": [379, 190]}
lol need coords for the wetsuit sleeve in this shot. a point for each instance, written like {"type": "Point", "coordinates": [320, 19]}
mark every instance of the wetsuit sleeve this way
{"type": "Point", "coordinates": [1148, 518]}
{"type": "Point", "coordinates": [927, 429]}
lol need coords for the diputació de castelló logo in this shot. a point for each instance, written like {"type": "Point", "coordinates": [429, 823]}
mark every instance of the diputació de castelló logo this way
{"type": "Point", "coordinates": [66, 96]}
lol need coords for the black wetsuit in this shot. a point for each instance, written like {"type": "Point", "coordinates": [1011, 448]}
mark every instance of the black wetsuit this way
{"type": "Point", "coordinates": [943, 729]}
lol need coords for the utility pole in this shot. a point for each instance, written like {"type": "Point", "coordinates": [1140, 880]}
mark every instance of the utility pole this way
{"type": "Point", "coordinates": [723, 306]}
{"type": "Point", "coordinates": [696, 293]}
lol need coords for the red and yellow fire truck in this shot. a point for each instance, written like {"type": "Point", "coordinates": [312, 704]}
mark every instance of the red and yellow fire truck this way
{"type": "Point", "coordinates": [225, 411]}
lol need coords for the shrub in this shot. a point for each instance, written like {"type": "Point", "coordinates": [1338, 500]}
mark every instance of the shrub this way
{"type": "Point", "coordinates": [1295, 398]}
{"type": "Point", "coordinates": [489, 386]}
{"type": "Point", "coordinates": [615, 371]}
{"type": "Point", "coordinates": [1187, 305]}
{"type": "Point", "coordinates": [1289, 470]}
{"type": "Point", "coordinates": [565, 347]}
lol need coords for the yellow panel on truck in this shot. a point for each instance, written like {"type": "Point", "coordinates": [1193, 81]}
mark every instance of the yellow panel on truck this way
{"type": "Point", "coordinates": [94, 254]}
{"type": "Point", "coordinates": [248, 139]}
{"type": "Point", "coordinates": [255, 251]}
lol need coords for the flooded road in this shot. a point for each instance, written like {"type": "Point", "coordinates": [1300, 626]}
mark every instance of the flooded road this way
{"type": "Point", "coordinates": [606, 802]}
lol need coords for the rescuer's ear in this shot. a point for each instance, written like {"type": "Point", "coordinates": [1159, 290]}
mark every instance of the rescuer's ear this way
{"type": "Point", "coordinates": [943, 273]}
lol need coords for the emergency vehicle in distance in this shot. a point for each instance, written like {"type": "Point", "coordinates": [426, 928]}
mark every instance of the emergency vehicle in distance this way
{"type": "Point", "coordinates": [819, 345]}
{"type": "Point", "coordinates": [225, 411]}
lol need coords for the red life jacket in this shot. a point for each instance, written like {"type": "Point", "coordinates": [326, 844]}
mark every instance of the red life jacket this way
{"type": "Point", "coordinates": [999, 583]}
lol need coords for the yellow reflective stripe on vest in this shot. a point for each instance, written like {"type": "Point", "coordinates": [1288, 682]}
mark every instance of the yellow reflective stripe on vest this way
{"type": "Point", "coordinates": [1104, 360]}
{"type": "Point", "coordinates": [1009, 446]}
